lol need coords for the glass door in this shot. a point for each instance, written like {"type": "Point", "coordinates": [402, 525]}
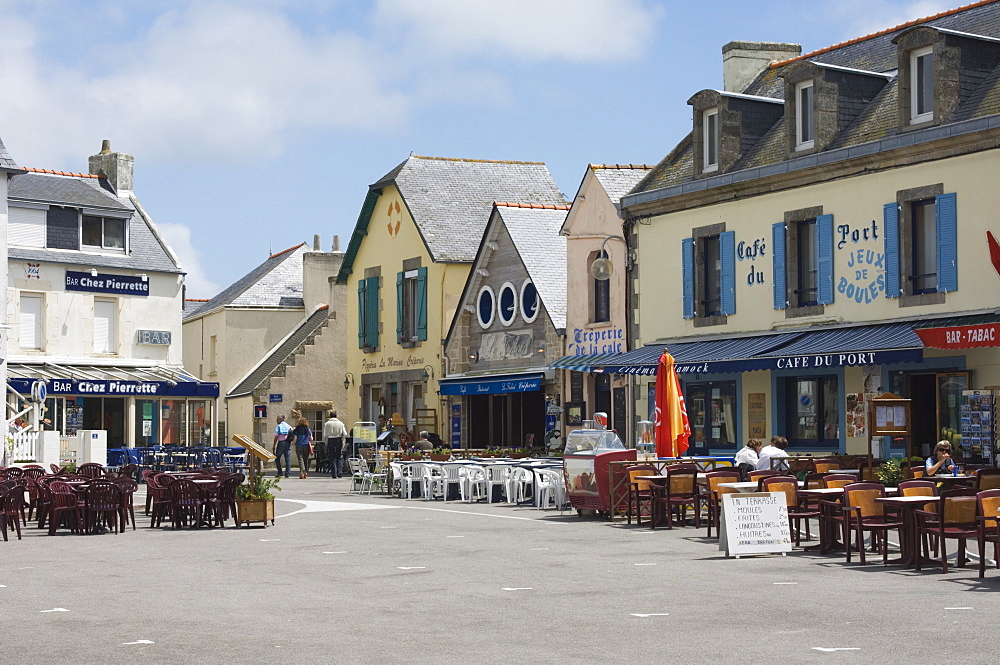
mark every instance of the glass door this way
{"type": "Point", "coordinates": [949, 404]}
{"type": "Point", "coordinates": [711, 411]}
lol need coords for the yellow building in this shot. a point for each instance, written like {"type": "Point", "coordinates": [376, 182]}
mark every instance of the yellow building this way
{"type": "Point", "coordinates": [405, 268]}
{"type": "Point", "coordinates": [822, 235]}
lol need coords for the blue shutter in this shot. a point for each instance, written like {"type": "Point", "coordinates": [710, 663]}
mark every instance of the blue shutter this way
{"type": "Point", "coordinates": [687, 276]}
{"type": "Point", "coordinates": [727, 252]}
{"type": "Point", "coordinates": [947, 242]}
{"type": "Point", "coordinates": [422, 304]}
{"type": "Point", "coordinates": [890, 236]}
{"type": "Point", "coordinates": [361, 313]}
{"type": "Point", "coordinates": [400, 278]}
{"type": "Point", "coordinates": [824, 260]}
{"type": "Point", "coordinates": [371, 312]}
{"type": "Point", "coordinates": [778, 257]}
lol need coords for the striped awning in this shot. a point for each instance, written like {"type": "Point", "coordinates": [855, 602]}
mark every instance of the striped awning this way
{"type": "Point", "coordinates": [584, 363]}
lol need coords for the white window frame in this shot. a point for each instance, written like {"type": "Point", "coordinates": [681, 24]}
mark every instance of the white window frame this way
{"type": "Point", "coordinates": [104, 246]}
{"type": "Point", "coordinates": [708, 166]}
{"type": "Point", "coordinates": [410, 306]}
{"type": "Point", "coordinates": [493, 310]}
{"type": "Point", "coordinates": [38, 330]}
{"type": "Point", "coordinates": [508, 286]}
{"type": "Point", "coordinates": [915, 117]}
{"type": "Point", "coordinates": [112, 347]}
{"type": "Point", "coordinates": [803, 114]}
{"type": "Point", "coordinates": [538, 302]}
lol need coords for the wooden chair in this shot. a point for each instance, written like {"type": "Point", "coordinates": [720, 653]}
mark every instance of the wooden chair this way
{"type": "Point", "coordinates": [679, 491]}
{"type": "Point", "coordinates": [796, 511]}
{"type": "Point", "coordinates": [826, 465]}
{"type": "Point", "coordinates": [713, 495]}
{"type": "Point", "coordinates": [638, 491]}
{"type": "Point", "coordinates": [987, 479]}
{"type": "Point", "coordinates": [756, 476]}
{"type": "Point", "coordinates": [838, 480]}
{"type": "Point", "coordinates": [988, 523]}
{"type": "Point", "coordinates": [954, 518]}
{"type": "Point", "coordinates": [863, 513]}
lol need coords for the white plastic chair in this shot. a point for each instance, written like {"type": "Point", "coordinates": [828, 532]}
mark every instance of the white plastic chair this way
{"type": "Point", "coordinates": [472, 478]}
{"type": "Point", "coordinates": [496, 475]}
{"type": "Point", "coordinates": [359, 468]}
{"type": "Point", "coordinates": [550, 488]}
{"type": "Point", "coordinates": [518, 484]}
{"type": "Point", "coordinates": [451, 476]}
{"type": "Point", "coordinates": [416, 474]}
{"type": "Point", "coordinates": [434, 480]}
{"type": "Point", "coordinates": [398, 472]}
{"type": "Point", "coordinates": [377, 477]}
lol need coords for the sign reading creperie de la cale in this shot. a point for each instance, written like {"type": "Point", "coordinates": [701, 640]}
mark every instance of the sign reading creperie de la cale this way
{"type": "Point", "coordinates": [961, 337]}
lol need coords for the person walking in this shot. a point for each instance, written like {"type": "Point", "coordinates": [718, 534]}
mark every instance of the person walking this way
{"type": "Point", "coordinates": [282, 446]}
{"type": "Point", "coordinates": [334, 432]}
{"type": "Point", "coordinates": [303, 437]}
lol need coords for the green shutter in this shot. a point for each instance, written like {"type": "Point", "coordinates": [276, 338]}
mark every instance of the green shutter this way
{"type": "Point", "coordinates": [400, 310]}
{"type": "Point", "coordinates": [422, 304]}
{"type": "Point", "coordinates": [361, 313]}
{"type": "Point", "coordinates": [371, 311]}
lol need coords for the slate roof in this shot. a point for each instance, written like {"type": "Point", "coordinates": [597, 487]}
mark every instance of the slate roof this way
{"type": "Point", "coordinates": [281, 352]}
{"type": "Point", "coordinates": [6, 161]}
{"type": "Point", "coordinates": [277, 282]}
{"type": "Point", "coordinates": [147, 250]}
{"type": "Point", "coordinates": [450, 201]}
{"type": "Point", "coordinates": [535, 233]}
{"type": "Point", "coordinates": [619, 179]}
{"type": "Point", "coordinates": [878, 120]}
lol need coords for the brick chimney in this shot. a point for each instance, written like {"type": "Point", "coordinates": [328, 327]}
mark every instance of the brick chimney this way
{"type": "Point", "coordinates": [742, 62]}
{"type": "Point", "coordinates": [115, 167]}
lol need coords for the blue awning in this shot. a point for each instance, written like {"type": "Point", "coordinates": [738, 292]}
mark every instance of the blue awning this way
{"type": "Point", "coordinates": [582, 363]}
{"type": "Point", "coordinates": [839, 347]}
{"type": "Point", "coordinates": [492, 385]}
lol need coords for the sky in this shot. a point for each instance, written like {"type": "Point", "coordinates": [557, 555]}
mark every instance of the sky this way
{"type": "Point", "coordinates": [257, 124]}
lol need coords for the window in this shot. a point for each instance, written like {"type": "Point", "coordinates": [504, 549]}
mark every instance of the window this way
{"type": "Point", "coordinates": [602, 293]}
{"type": "Point", "coordinates": [711, 303]}
{"type": "Point", "coordinates": [529, 301]}
{"type": "Point", "coordinates": [26, 227]}
{"type": "Point", "coordinates": [411, 306]}
{"type": "Point", "coordinates": [802, 255]}
{"type": "Point", "coordinates": [710, 140]}
{"type": "Point", "coordinates": [104, 326]}
{"type": "Point", "coordinates": [485, 307]}
{"type": "Point", "coordinates": [30, 333]}
{"type": "Point", "coordinates": [804, 115]}
{"type": "Point", "coordinates": [507, 304]}
{"type": "Point", "coordinates": [922, 85]}
{"type": "Point", "coordinates": [368, 314]}
{"type": "Point", "coordinates": [103, 232]}
{"type": "Point", "coordinates": [711, 408]}
{"type": "Point", "coordinates": [812, 414]}
{"type": "Point", "coordinates": [923, 230]}
{"type": "Point", "coordinates": [806, 292]}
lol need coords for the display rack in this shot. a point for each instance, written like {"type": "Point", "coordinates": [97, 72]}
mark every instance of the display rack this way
{"type": "Point", "coordinates": [978, 427]}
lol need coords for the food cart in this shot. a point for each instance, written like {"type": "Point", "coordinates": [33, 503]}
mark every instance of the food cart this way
{"type": "Point", "coordinates": [585, 467]}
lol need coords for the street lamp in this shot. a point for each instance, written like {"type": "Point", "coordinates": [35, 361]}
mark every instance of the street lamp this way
{"type": "Point", "coordinates": [348, 380]}
{"type": "Point", "coordinates": [428, 368]}
{"type": "Point", "coordinates": [602, 268]}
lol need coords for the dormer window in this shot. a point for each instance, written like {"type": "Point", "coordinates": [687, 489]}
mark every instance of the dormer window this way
{"type": "Point", "coordinates": [922, 85]}
{"type": "Point", "coordinates": [710, 132]}
{"type": "Point", "coordinates": [804, 121]}
{"type": "Point", "coordinates": [103, 232]}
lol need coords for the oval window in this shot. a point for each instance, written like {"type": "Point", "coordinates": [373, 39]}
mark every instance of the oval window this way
{"type": "Point", "coordinates": [485, 307]}
{"type": "Point", "coordinates": [529, 301]}
{"type": "Point", "coordinates": [507, 304]}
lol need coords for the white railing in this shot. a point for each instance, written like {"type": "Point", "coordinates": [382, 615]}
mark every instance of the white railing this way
{"type": "Point", "coordinates": [25, 446]}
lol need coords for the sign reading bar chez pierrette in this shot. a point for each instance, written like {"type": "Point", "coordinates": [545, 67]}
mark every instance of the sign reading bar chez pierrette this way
{"type": "Point", "coordinates": [960, 337]}
{"type": "Point", "coordinates": [103, 283]}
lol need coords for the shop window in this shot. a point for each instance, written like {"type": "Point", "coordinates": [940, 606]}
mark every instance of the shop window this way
{"type": "Point", "coordinates": [709, 275]}
{"type": "Point", "coordinates": [712, 411]}
{"type": "Point", "coordinates": [147, 425]}
{"type": "Point", "coordinates": [368, 312]}
{"type": "Point", "coordinates": [710, 140]}
{"type": "Point", "coordinates": [802, 254]}
{"type": "Point", "coordinates": [173, 416]}
{"type": "Point", "coordinates": [921, 85]}
{"type": "Point", "coordinates": [921, 246]}
{"type": "Point", "coordinates": [812, 411]}
{"type": "Point", "coordinates": [30, 328]}
{"type": "Point", "coordinates": [105, 326]}
{"type": "Point", "coordinates": [601, 292]}
{"type": "Point", "coordinates": [198, 431]}
{"type": "Point", "coordinates": [411, 306]}
{"type": "Point", "coordinates": [103, 232]}
{"type": "Point", "coordinates": [804, 116]}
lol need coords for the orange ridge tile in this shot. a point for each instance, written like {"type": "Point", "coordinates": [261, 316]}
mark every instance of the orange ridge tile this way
{"type": "Point", "coordinates": [65, 173]}
{"type": "Point", "coordinates": [285, 251]}
{"type": "Point", "coordinates": [539, 206]}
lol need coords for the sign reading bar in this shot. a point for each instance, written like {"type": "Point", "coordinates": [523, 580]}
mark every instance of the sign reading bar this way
{"type": "Point", "coordinates": [161, 337]}
{"type": "Point", "coordinates": [755, 523]}
{"type": "Point", "coordinates": [103, 283]}
{"type": "Point", "coordinates": [110, 387]}
{"type": "Point", "coordinates": [961, 337]}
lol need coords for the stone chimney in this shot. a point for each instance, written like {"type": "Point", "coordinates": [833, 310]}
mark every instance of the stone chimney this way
{"type": "Point", "coordinates": [336, 243]}
{"type": "Point", "coordinates": [742, 62]}
{"type": "Point", "coordinates": [115, 167]}
{"type": "Point", "coordinates": [316, 247]}
{"type": "Point", "coordinates": [319, 276]}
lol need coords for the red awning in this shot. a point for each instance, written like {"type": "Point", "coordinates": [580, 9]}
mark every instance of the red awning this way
{"type": "Point", "coordinates": [960, 337]}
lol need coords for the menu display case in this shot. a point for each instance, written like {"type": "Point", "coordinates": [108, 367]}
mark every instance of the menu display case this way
{"type": "Point", "coordinates": [585, 467]}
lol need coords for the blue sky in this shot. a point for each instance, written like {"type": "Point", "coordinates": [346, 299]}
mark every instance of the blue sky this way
{"type": "Point", "coordinates": [257, 124]}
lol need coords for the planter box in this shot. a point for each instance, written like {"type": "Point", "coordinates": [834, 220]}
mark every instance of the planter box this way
{"type": "Point", "coordinates": [254, 510]}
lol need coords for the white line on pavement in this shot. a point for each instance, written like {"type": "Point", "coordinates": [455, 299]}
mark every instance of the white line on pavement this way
{"type": "Point", "coordinates": [518, 588]}
{"type": "Point", "coordinates": [456, 536]}
{"type": "Point", "coordinates": [334, 552]}
{"type": "Point", "coordinates": [57, 609]}
{"type": "Point", "coordinates": [645, 564]}
{"type": "Point", "coordinates": [645, 616]}
{"type": "Point", "coordinates": [958, 608]}
{"type": "Point", "coordinates": [828, 649]}
{"type": "Point", "coordinates": [786, 583]}
{"type": "Point", "coordinates": [412, 567]}
{"type": "Point", "coordinates": [269, 540]}
{"type": "Point", "coordinates": [124, 644]}
{"type": "Point", "coordinates": [467, 512]}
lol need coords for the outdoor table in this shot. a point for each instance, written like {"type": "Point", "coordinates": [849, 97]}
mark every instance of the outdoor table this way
{"type": "Point", "coordinates": [951, 480]}
{"type": "Point", "coordinates": [910, 542]}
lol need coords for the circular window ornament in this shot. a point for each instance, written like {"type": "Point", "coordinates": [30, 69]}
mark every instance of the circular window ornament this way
{"type": "Point", "coordinates": [507, 304]}
{"type": "Point", "coordinates": [529, 301]}
{"type": "Point", "coordinates": [485, 307]}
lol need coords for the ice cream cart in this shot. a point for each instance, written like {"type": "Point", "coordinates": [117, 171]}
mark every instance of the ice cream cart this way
{"type": "Point", "coordinates": [585, 467]}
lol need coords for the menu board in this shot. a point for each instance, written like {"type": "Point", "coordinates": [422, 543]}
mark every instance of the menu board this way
{"type": "Point", "coordinates": [754, 523]}
{"type": "Point", "coordinates": [757, 415]}
{"type": "Point", "coordinates": [890, 415]}
{"type": "Point", "coordinates": [364, 433]}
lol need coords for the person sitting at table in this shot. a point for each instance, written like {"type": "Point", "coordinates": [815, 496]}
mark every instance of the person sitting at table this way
{"type": "Point", "coordinates": [423, 443]}
{"type": "Point", "coordinates": [748, 456]}
{"type": "Point", "coordinates": [940, 461]}
{"type": "Point", "coordinates": [775, 449]}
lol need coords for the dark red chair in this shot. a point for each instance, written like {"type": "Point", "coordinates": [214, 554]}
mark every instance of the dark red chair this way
{"type": "Point", "coordinates": [102, 499]}
{"type": "Point", "coordinates": [65, 506]}
{"type": "Point", "coordinates": [955, 518]}
{"type": "Point", "coordinates": [33, 472]}
{"type": "Point", "coordinates": [90, 470]}
{"type": "Point", "coordinates": [13, 473]}
{"type": "Point", "coordinates": [186, 502]}
{"type": "Point", "coordinates": [160, 497]}
{"type": "Point", "coordinates": [128, 488]}
{"type": "Point", "coordinates": [11, 509]}
{"type": "Point", "coordinates": [224, 501]}
{"type": "Point", "coordinates": [679, 491]}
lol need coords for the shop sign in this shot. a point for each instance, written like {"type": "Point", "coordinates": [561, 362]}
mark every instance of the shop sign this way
{"type": "Point", "coordinates": [492, 386]}
{"type": "Point", "coordinates": [799, 362]}
{"type": "Point", "coordinates": [103, 283]}
{"type": "Point", "coordinates": [757, 415]}
{"type": "Point", "coordinates": [456, 425]}
{"type": "Point", "coordinates": [158, 337]}
{"type": "Point", "coordinates": [960, 337]}
{"type": "Point", "coordinates": [587, 341]}
{"type": "Point", "coordinates": [112, 387]}
{"type": "Point", "coordinates": [275, 397]}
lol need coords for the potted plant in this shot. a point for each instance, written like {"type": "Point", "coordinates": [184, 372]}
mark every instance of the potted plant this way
{"type": "Point", "coordinates": [441, 454]}
{"type": "Point", "coordinates": [255, 500]}
{"type": "Point", "coordinates": [889, 473]}
{"type": "Point", "coordinates": [519, 453]}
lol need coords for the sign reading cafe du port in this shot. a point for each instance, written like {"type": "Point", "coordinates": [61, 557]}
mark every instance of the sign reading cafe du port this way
{"type": "Point", "coordinates": [103, 283]}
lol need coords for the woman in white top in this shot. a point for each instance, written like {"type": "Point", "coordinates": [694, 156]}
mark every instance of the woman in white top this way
{"type": "Point", "coordinates": [746, 458]}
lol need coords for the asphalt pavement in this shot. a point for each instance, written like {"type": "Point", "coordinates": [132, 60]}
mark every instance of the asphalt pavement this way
{"type": "Point", "coordinates": [343, 578]}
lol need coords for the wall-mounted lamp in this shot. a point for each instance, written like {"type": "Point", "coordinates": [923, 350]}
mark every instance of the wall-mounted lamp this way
{"type": "Point", "coordinates": [93, 272]}
{"type": "Point", "coordinates": [144, 277]}
{"type": "Point", "coordinates": [348, 380]}
{"type": "Point", "coordinates": [474, 356]}
{"type": "Point", "coordinates": [428, 372]}
{"type": "Point", "coordinates": [602, 268]}
{"type": "Point", "coordinates": [540, 349]}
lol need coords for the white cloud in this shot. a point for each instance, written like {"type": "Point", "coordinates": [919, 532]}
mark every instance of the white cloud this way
{"type": "Point", "coordinates": [863, 17]}
{"type": "Point", "coordinates": [528, 30]}
{"type": "Point", "coordinates": [178, 236]}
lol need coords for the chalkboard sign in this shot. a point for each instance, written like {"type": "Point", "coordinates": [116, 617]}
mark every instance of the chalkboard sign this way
{"type": "Point", "coordinates": [755, 523]}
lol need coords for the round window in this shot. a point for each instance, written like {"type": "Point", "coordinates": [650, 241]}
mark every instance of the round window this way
{"type": "Point", "coordinates": [507, 304]}
{"type": "Point", "coordinates": [529, 301]}
{"type": "Point", "coordinates": [485, 307]}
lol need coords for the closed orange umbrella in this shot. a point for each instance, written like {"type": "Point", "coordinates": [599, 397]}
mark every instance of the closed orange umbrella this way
{"type": "Point", "coordinates": [672, 427]}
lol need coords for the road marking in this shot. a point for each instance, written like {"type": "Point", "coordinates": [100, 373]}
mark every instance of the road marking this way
{"type": "Point", "coordinates": [3, 586]}
{"type": "Point", "coordinates": [330, 507]}
{"type": "Point", "coordinates": [125, 644]}
{"type": "Point", "coordinates": [334, 552]}
{"type": "Point", "coordinates": [412, 567]}
{"type": "Point", "coordinates": [646, 616]}
{"type": "Point", "coordinates": [645, 564]}
{"type": "Point", "coordinates": [456, 536]}
{"type": "Point", "coordinates": [517, 588]}
{"type": "Point", "coordinates": [786, 583]}
{"type": "Point", "coordinates": [539, 549]}
{"type": "Point", "coordinates": [958, 608]}
{"type": "Point", "coordinates": [57, 609]}
{"type": "Point", "coordinates": [829, 649]}
{"type": "Point", "coordinates": [641, 533]}
{"type": "Point", "coordinates": [468, 512]}
{"type": "Point", "coordinates": [387, 527]}
{"type": "Point", "coordinates": [269, 540]}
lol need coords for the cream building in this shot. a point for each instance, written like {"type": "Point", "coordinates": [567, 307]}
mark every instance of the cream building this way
{"type": "Point", "coordinates": [823, 234]}
{"type": "Point", "coordinates": [405, 269]}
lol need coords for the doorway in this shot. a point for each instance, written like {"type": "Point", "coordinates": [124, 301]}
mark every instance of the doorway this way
{"type": "Point", "coordinates": [922, 390]}
{"type": "Point", "coordinates": [107, 413]}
